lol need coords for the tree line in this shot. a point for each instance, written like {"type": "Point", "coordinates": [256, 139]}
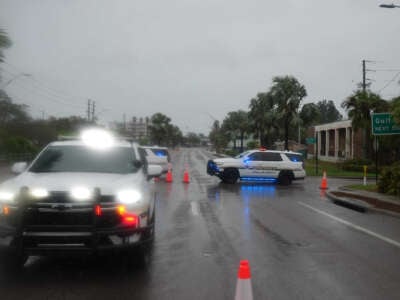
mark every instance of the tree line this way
{"type": "Point", "coordinates": [273, 115]}
{"type": "Point", "coordinates": [276, 115]}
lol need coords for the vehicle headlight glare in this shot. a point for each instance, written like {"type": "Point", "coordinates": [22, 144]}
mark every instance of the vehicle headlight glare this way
{"type": "Point", "coordinates": [6, 196]}
{"type": "Point", "coordinates": [129, 196]}
{"type": "Point", "coordinates": [39, 193]}
{"type": "Point", "coordinates": [81, 193]}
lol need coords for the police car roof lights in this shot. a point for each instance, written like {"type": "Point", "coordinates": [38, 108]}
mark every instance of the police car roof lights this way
{"type": "Point", "coordinates": [97, 138]}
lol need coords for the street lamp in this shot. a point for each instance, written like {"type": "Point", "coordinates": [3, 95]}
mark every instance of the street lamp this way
{"type": "Point", "coordinates": [16, 77]}
{"type": "Point", "coordinates": [389, 5]}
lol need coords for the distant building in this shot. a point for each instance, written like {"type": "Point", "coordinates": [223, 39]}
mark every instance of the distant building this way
{"type": "Point", "coordinates": [336, 141]}
{"type": "Point", "coordinates": [138, 128]}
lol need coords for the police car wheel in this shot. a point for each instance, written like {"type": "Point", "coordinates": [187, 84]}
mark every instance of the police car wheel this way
{"type": "Point", "coordinates": [285, 179]}
{"type": "Point", "coordinates": [230, 175]}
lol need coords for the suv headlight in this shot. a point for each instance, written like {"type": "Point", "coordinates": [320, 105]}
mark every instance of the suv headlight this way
{"type": "Point", "coordinates": [81, 193]}
{"type": "Point", "coordinates": [129, 196]}
{"type": "Point", "coordinates": [6, 196]}
{"type": "Point", "coordinates": [38, 193]}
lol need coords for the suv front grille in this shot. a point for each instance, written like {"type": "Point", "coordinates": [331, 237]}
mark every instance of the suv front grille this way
{"type": "Point", "coordinates": [59, 212]}
{"type": "Point", "coordinates": [49, 217]}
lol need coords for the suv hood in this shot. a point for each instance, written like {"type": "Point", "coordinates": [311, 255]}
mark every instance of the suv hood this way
{"type": "Point", "coordinates": [108, 183]}
{"type": "Point", "coordinates": [226, 160]}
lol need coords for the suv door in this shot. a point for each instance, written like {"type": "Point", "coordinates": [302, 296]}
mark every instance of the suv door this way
{"type": "Point", "coordinates": [252, 165]}
{"type": "Point", "coordinates": [271, 164]}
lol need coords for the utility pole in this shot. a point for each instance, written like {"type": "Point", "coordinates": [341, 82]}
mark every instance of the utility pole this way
{"type": "Point", "coordinates": [124, 122]}
{"type": "Point", "coordinates": [93, 110]}
{"type": "Point", "coordinates": [364, 71]}
{"type": "Point", "coordinates": [88, 110]}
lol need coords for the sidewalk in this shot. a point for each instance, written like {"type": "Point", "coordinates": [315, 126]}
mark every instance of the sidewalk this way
{"type": "Point", "coordinates": [364, 200]}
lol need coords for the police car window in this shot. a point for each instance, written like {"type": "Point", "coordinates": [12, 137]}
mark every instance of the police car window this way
{"type": "Point", "coordinates": [254, 156]}
{"type": "Point", "coordinates": [83, 159]}
{"type": "Point", "coordinates": [270, 156]}
{"type": "Point", "coordinates": [295, 157]}
{"type": "Point", "coordinates": [160, 152]}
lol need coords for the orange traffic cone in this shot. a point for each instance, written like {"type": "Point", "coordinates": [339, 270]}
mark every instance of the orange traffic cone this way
{"type": "Point", "coordinates": [243, 285]}
{"type": "Point", "coordinates": [168, 177]}
{"type": "Point", "coordinates": [186, 176]}
{"type": "Point", "coordinates": [324, 182]}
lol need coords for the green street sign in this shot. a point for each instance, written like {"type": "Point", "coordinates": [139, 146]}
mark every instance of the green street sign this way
{"type": "Point", "coordinates": [310, 140]}
{"type": "Point", "coordinates": [383, 124]}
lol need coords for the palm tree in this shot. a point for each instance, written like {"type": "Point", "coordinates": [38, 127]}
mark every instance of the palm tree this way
{"type": "Point", "coordinates": [359, 106]}
{"type": "Point", "coordinates": [236, 124]}
{"type": "Point", "coordinates": [395, 109]}
{"type": "Point", "coordinates": [287, 92]}
{"type": "Point", "coordinates": [5, 42]}
{"type": "Point", "coordinates": [263, 117]}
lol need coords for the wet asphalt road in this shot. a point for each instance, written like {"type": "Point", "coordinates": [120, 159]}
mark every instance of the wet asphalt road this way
{"type": "Point", "coordinates": [299, 244]}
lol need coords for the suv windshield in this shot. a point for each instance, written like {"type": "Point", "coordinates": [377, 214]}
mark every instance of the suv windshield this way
{"type": "Point", "coordinates": [242, 154]}
{"type": "Point", "coordinates": [83, 159]}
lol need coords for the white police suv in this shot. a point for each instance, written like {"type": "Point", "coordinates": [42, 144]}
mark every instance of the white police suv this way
{"type": "Point", "coordinates": [78, 196]}
{"type": "Point", "coordinates": [156, 155]}
{"type": "Point", "coordinates": [259, 165]}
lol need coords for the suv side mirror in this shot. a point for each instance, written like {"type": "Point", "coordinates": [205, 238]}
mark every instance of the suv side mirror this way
{"type": "Point", "coordinates": [137, 164]}
{"type": "Point", "coordinates": [19, 167]}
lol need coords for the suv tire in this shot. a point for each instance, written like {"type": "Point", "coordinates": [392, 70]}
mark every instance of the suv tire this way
{"type": "Point", "coordinates": [230, 175]}
{"type": "Point", "coordinates": [285, 178]}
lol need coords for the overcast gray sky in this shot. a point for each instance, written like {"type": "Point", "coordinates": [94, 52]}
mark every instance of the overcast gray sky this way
{"type": "Point", "coordinates": [191, 59]}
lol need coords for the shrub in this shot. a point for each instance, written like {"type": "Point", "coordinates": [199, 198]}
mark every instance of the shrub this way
{"type": "Point", "coordinates": [389, 180]}
{"type": "Point", "coordinates": [232, 152]}
{"type": "Point", "coordinates": [357, 165]}
{"type": "Point", "coordinates": [253, 144]}
{"type": "Point", "coordinates": [17, 148]}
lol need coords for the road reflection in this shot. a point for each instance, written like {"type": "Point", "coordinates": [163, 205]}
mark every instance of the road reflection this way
{"type": "Point", "coordinates": [57, 277]}
{"type": "Point", "coordinates": [245, 191]}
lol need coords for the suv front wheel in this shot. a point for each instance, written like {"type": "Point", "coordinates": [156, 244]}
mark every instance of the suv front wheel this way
{"type": "Point", "coordinates": [230, 175]}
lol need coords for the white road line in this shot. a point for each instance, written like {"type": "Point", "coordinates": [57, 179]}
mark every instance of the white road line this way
{"type": "Point", "coordinates": [195, 208]}
{"type": "Point", "coordinates": [356, 227]}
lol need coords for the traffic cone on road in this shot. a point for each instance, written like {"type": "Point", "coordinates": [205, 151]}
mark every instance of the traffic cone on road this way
{"type": "Point", "coordinates": [168, 177]}
{"type": "Point", "coordinates": [324, 182]}
{"type": "Point", "coordinates": [243, 285]}
{"type": "Point", "coordinates": [186, 176]}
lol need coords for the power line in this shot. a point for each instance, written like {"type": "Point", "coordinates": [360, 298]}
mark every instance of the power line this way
{"type": "Point", "coordinates": [47, 92]}
{"type": "Point", "coordinates": [44, 85]}
{"type": "Point", "coordinates": [387, 70]}
{"type": "Point", "coordinates": [52, 93]}
{"type": "Point", "coordinates": [46, 96]}
{"type": "Point", "coordinates": [390, 81]}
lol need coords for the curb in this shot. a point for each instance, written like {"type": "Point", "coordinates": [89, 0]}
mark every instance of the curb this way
{"type": "Point", "coordinates": [354, 204]}
{"type": "Point", "coordinates": [347, 200]}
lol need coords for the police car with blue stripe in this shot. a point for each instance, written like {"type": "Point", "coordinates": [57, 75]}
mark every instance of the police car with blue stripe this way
{"type": "Point", "coordinates": [259, 165]}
